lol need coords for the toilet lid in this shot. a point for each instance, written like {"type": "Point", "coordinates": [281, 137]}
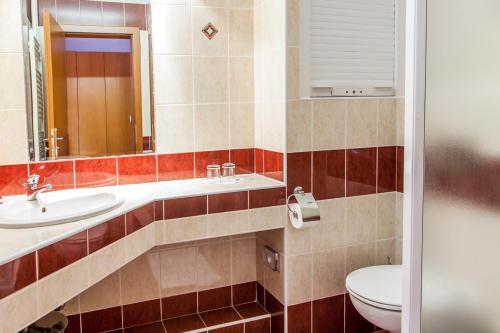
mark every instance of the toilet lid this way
{"type": "Point", "coordinates": [378, 284]}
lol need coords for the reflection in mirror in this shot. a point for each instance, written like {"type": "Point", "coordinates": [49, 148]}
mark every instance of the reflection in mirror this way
{"type": "Point", "coordinates": [89, 69]}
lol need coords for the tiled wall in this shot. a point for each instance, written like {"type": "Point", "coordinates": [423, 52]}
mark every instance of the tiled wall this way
{"type": "Point", "coordinates": [13, 146]}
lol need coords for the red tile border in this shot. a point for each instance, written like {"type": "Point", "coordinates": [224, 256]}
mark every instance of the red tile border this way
{"type": "Point", "coordinates": [184, 324]}
{"type": "Point", "coordinates": [73, 324]}
{"type": "Point", "coordinates": [17, 274]}
{"type": "Point", "coordinates": [180, 305]}
{"type": "Point", "coordinates": [239, 328]}
{"type": "Point", "coordinates": [106, 233]}
{"type": "Point", "coordinates": [354, 322]}
{"type": "Point", "coordinates": [139, 218]}
{"type": "Point", "coordinates": [102, 320]}
{"type": "Point", "coordinates": [244, 160]}
{"type": "Point", "coordinates": [386, 169]}
{"type": "Point", "coordinates": [12, 178]}
{"type": "Point", "coordinates": [61, 254]}
{"type": "Point", "coordinates": [273, 165]}
{"type": "Point", "coordinates": [158, 206]}
{"type": "Point", "coordinates": [148, 328]}
{"type": "Point", "coordinates": [258, 326]}
{"type": "Point", "coordinates": [267, 197]}
{"type": "Point", "coordinates": [329, 174]}
{"type": "Point", "coordinates": [136, 169]}
{"type": "Point", "coordinates": [250, 310]}
{"type": "Point", "coordinates": [299, 171]}
{"type": "Point", "coordinates": [244, 292]}
{"type": "Point", "coordinates": [361, 171]}
{"type": "Point", "coordinates": [175, 166]}
{"type": "Point", "coordinates": [328, 315]}
{"type": "Point", "coordinates": [220, 316]}
{"type": "Point", "coordinates": [299, 318]}
{"type": "Point", "coordinates": [214, 299]}
{"type": "Point", "coordinates": [185, 207]}
{"type": "Point", "coordinates": [259, 161]}
{"type": "Point", "coordinates": [227, 202]}
{"type": "Point", "coordinates": [59, 174]}
{"type": "Point", "coordinates": [141, 313]}
{"type": "Point", "coordinates": [400, 160]}
{"type": "Point", "coordinates": [135, 16]}
{"type": "Point", "coordinates": [205, 158]}
{"type": "Point", "coordinates": [95, 172]}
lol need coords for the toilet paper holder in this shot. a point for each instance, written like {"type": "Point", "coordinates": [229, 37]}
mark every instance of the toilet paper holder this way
{"type": "Point", "coordinates": [307, 205]}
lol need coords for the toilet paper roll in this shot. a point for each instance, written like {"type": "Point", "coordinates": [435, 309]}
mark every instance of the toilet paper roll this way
{"type": "Point", "coordinates": [296, 217]}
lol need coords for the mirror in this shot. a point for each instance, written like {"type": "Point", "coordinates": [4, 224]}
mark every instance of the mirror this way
{"type": "Point", "coordinates": [88, 68]}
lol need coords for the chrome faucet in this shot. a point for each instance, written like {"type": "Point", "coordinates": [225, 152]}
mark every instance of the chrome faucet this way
{"type": "Point", "coordinates": [33, 190]}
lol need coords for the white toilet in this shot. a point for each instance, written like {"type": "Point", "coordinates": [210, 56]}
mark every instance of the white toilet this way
{"type": "Point", "coordinates": [376, 293]}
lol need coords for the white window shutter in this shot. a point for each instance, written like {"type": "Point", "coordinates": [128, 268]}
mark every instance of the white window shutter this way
{"type": "Point", "coordinates": [352, 44]}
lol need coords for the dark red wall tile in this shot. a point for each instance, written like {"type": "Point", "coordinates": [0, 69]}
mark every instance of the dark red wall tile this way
{"type": "Point", "coordinates": [102, 320]}
{"type": "Point", "coordinates": [329, 174]}
{"type": "Point", "coordinates": [328, 315]}
{"type": "Point", "coordinates": [299, 318]}
{"type": "Point", "coordinates": [180, 305]}
{"type": "Point", "coordinates": [68, 11]}
{"type": "Point", "coordinates": [184, 324]}
{"type": "Point", "coordinates": [386, 169]}
{"type": "Point", "coordinates": [73, 324]}
{"type": "Point", "coordinates": [113, 14]}
{"type": "Point", "coordinates": [59, 174]}
{"type": "Point", "coordinates": [135, 16]}
{"type": "Point", "coordinates": [220, 316]}
{"type": "Point", "coordinates": [90, 12]}
{"type": "Point", "coordinates": [214, 298]}
{"type": "Point", "coordinates": [260, 294]}
{"type": "Point", "coordinates": [185, 207]}
{"type": "Point", "coordinates": [148, 328]}
{"type": "Point", "coordinates": [259, 161]}
{"type": "Point", "coordinates": [244, 292]}
{"type": "Point", "coordinates": [273, 306]}
{"type": "Point", "coordinates": [136, 169]}
{"type": "Point", "coordinates": [95, 172]}
{"type": "Point", "coordinates": [205, 158]}
{"type": "Point", "coordinates": [175, 166]}
{"type": "Point", "coordinates": [400, 168]}
{"type": "Point", "coordinates": [278, 323]}
{"type": "Point", "coordinates": [141, 313]}
{"type": "Point", "coordinates": [258, 326]}
{"type": "Point", "coordinates": [17, 274]}
{"type": "Point", "coordinates": [299, 171]}
{"type": "Point", "coordinates": [244, 160]}
{"type": "Point", "coordinates": [12, 178]}
{"type": "Point", "coordinates": [158, 210]}
{"type": "Point", "coordinates": [267, 197]}
{"type": "Point", "coordinates": [139, 218]}
{"type": "Point", "coordinates": [230, 329]}
{"type": "Point", "coordinates": [250, 310]}
{"type": "Point", "coordinates": [361, 171]}
{"type": "Point", "coordinates": [227, 202]}
{"type": "Point", "coordinates": [354, 322]}
{"type": "Point", "coordinates": [106, 233]}
{"type": "Point", "coordinates": [61, 254]}
{"type": "Point", "coordinates": [49, 5]}
{"type": "Point", "coordinates": [273, 165]}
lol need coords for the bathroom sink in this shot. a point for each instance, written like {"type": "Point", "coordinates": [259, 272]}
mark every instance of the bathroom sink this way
{"type": "Point", "coordinates": [55, 209]}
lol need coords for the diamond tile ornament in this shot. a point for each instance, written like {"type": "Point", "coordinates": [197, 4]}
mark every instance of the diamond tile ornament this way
{"type": "Point", "coordinates": [210, 31]}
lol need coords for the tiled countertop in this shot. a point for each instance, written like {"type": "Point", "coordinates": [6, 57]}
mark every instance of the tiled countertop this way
{"type": "Point", "coordinates": [15, 243]}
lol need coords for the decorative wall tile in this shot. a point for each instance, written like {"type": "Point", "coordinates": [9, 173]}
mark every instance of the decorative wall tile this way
{"type": "Point", "coordinates": [136, 169]}
{"type": "Point", "coordinates": [95, 172]}
{"type": "Point", "coordinates": [175, 166]}
{"type": "Point", "coordinates": [12, 178]}
{"type": "Point", "coordinates": [210, 31]}
{"type": "Point", "coordinates": [59, 174]}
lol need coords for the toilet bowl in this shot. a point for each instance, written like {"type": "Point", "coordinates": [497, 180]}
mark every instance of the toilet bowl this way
{"type": "Point", "coordinates": [376, 293]}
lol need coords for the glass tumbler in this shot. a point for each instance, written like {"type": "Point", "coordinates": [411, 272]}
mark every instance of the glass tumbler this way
{"type": "Point", "coordinates": [213, 173]}
{"type": "Point", "coordinates": [228, 170]}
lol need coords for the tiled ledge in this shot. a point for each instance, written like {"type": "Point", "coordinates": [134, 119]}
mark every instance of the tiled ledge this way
{"type": "Point", "coordinates": [67, 259]}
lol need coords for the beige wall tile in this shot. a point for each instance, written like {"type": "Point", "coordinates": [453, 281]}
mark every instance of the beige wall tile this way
{"type": "Point", "coordinates": [175, 129]}
{"type": "Point", "coordinates": [328, 273]}
{"type": "Point", "coordinates": [360, 256]}
{"type": "Point", "coordinates": [12, 81]}
{"type": "Point", "coordinates": [400, 121]}
{"type": "Point", "coordinates": [398, 252]}
{"type": "Point", "coordinates": [214, 265]}
{"type": "Point", "coordinates": [102, 295]}
{"type": "Point", "coordinates": [298, 240]}
{"type": "Point", "coordinates": [171, 26]}
{"type": "Point", "coordinates": [210, 80]}
{"type": "Point", "coordinates": [386, 215]}
{"type": "Point", "coordinates": [274, 281]}
{"type": "Point", "coordinates": [299, 127]}
{"type": "Point", "coordinates": [361, 124]}
{"type": "Point", "coordinates": [267, 218]}
{"type": "Point", "coordinates": [385, 250]}
{"type": "Point", "coordinates": [173, 76]}
{"type": "Point", "coordinates": [330, 232]}
{"type": "Point", "coordinates": [10, 25]}
{"type": "Point", "coordinates": [61, 286]}
{"type": "Point", "coordinates": [72, 306]}
{"type": "Point", "coordinates": [18, 310]}
{"type": "Point", "coordinates": [107, 260]}
{"type": "Point", "coordinates": [240, 4]}
{"type": "Point", "coordinates": [299, 279]}
{"type": "Point", "coordinates": [185, 229]}
{"type": "Point", "coordinates": [140, 279]}
{"type": "Point", "coordinates": [140, 241]}
{"type": "Point", "coordinates": [217, 46]}
{"type": "Point", "coordinates": [241, 79]}
{"type": "Point", "coordinates": [209, 3]}
{"type": "Point", "coordinates": [399, 216]}
{"type": "Point", "coordinates": [242, 125]}
{"type": "Point", "coordinates": [171, 2]}
{"type": "Point", "coordinates": [387, 122]}
{"type": "Point", "coordinates": [329, 124]}
{"type": "Point", "coordinates": [260, 267]}
{"type": "Point", "coordinates": [211, 127]}
{"type": "Point", "coordinates": [13, 146]}
{"type": "Point", "coordinates": [293, 77]}
{"type": "Point", "coordinates": [274, 126]}
{"type": "Point", "coordinates": [178, 271]}
{"type": "Point", "coordinates": [293, 22]}
{"type": "Point", "coordinates": [225, 224]}
{"type": "Point", "coordinates": [361, 216]}
{"type": "Point", "coordinates": [273, 238]}
{"type": "Point", "coordinates": [240, 31]}
{"type": "Point", "coordinates": [243, 260]}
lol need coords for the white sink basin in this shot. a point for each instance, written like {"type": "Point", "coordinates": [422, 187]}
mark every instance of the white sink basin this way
{"type": "Point", "coordinates": [52, 208]}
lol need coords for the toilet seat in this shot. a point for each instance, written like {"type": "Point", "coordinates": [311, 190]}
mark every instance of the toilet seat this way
{"type": "Point", "coordinates": [378, 286]}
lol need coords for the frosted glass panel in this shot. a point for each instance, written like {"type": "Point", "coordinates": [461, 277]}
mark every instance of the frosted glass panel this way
{"type": "Point", "coordinates": [461, 235]}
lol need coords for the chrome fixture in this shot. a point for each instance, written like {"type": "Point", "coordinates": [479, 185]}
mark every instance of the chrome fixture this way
{"type": "Point", "coordinates": [306, 203]}
{"type": "Point", "coordinates": [33, 190]}
{"type": "Point", "coordinates": [271, 258]}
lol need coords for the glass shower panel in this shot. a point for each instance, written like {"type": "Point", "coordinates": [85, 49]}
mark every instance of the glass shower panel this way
{"type": "Point", "coordinates": [461, 227]}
